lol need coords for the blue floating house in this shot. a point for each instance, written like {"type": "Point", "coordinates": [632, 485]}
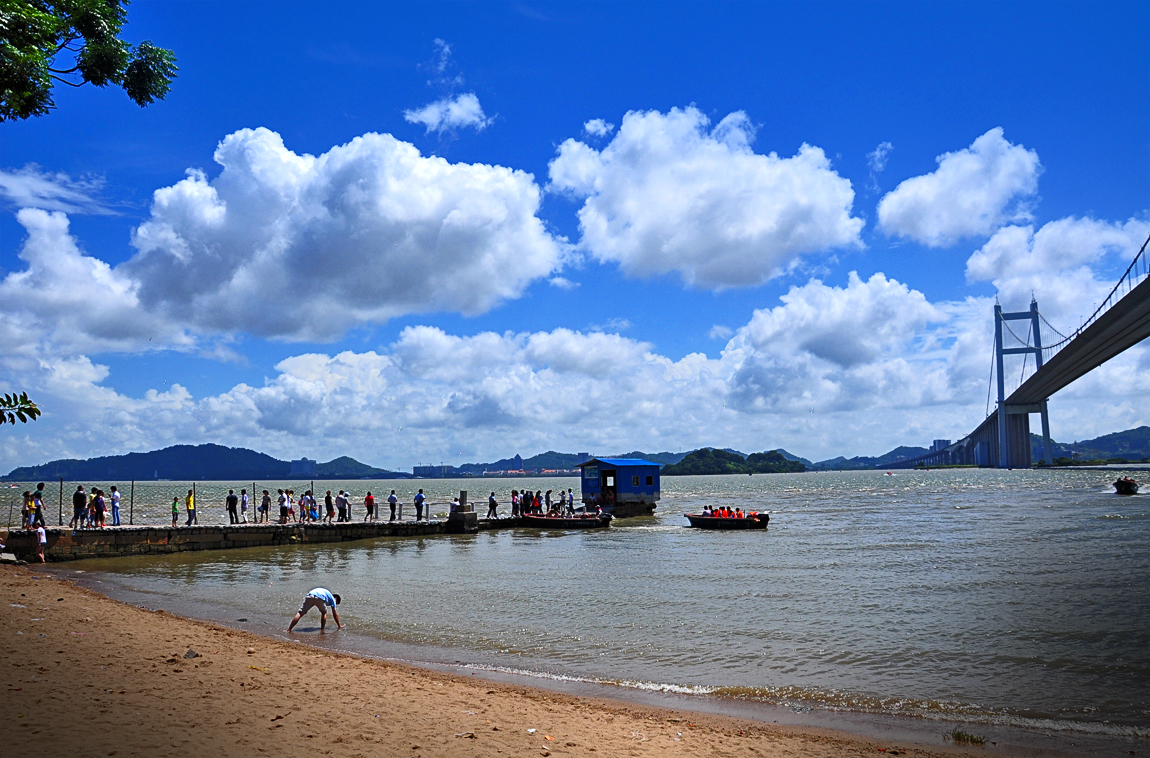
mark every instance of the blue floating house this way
{"type": "Point", "coordinates": [622, 486]}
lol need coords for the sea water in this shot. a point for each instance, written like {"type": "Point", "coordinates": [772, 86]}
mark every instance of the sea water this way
{"type": "Point", "coordinates": [984, 596]}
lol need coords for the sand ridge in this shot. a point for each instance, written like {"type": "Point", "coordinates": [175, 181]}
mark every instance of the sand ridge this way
{"type": "Point", "coordinates": [90, 676]}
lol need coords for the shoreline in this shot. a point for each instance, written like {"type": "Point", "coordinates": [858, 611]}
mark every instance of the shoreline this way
{"type": "Point", "coordinates": [125, 658]}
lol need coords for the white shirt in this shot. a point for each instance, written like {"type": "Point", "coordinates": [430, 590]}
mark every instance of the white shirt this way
{"type": "Point", "coordinates": [244, 502]}
{"type": "Point", "coordinates": [43, 535]}
{"type": "Point", "coordinates": [116, 499]}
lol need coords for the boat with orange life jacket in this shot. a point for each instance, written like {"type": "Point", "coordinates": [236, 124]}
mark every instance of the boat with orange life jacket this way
{"type": "Point", "coordinates": [741, 521]}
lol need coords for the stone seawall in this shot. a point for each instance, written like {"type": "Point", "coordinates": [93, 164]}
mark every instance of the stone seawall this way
{"type": "Point", "coordinates": [68, 545]}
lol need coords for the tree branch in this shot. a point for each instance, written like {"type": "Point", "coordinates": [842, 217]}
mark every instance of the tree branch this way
{"type": "Point", "coordinates": [65, 81]}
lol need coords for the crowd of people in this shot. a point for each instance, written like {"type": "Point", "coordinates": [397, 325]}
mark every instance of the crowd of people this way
{"type": "Point", "coordinates": [539, 503]}
{"type": "Point", "coordinates": [92, 510]}
{"type": "Point", "coordinates": [725, 512]}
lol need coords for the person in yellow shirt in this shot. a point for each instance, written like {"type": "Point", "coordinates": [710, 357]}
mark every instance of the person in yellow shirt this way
{"type": "Point", "coordinates": [190, 503]}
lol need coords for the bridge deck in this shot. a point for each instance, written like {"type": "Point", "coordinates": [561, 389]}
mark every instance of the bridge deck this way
{"type": "Point", "coordinates": [1126, 324]}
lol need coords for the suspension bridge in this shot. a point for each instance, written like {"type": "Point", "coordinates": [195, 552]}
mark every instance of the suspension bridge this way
{"type": "Point", "coordinates": [1121, 321]}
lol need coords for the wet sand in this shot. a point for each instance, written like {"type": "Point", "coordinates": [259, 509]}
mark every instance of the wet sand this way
{"type": "Point", "coordinates": [86, 675]}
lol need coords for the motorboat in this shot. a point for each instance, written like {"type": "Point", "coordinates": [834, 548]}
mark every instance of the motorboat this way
{"type": "Point", "coordinates": [1126, 486]}
{"type": "Point", "coordinates": [587, 521]}
{"type": "Point", "coordinates": [757, 521]}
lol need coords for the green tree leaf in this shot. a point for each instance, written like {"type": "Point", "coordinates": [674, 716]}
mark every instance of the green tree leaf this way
{"type": "Point", "coordinates": [73, 42]}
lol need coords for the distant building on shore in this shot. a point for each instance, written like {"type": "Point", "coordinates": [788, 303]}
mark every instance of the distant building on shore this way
{"type": "Point", "coordinates": [434, 472]}
{"type": "Point", "coordinates": [303, 467]}
{"type": "Point", "coordinates": [939, 445]}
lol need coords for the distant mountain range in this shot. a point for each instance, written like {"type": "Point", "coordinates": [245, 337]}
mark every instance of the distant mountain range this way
{"type": "Point", "coordinates": [710, 461]}
{"type": "Point", "coordinates": [193, 463]}
{"type": "Point", "coordinates": [216, 462]}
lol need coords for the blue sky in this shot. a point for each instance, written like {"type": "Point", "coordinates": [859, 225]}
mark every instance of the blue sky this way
{"type": "Point", "coordinates": [663, 284]}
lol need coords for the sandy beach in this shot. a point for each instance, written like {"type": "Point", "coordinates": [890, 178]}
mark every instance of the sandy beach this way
{"type": "Point", "coordinates": [90, 676]}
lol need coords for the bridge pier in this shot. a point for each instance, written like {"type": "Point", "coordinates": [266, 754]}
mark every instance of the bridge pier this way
{"type": "Point", "coordinates": [1012, 452]}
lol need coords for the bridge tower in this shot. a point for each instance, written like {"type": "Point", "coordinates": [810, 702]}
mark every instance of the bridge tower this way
{"type": "Point", "coordinates": [1005, 410]}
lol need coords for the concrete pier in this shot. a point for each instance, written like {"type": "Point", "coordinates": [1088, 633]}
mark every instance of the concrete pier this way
{"type": "Point", "coordinates": [113, 542]}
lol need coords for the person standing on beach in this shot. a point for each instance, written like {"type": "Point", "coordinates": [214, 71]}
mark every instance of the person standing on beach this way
{"type": "Point", "coordinates": [392, 500]}
{"type": "Point", "coordinates": [115, 507]}
{"type": "Point", "coordinates": [321, 599]}
{"type": "Point", "coordinates": [79, 500]}
{"type": "Point", "coordinates": [41, 542]}
{"type": "Point", "coordinates": [232, 502]}
{"type": "Point", "coordinates": [244, 505]}
{"type": "Point", "coordinates": [190, 504]}
{"type": "Point", "coordinates": [419, 498]}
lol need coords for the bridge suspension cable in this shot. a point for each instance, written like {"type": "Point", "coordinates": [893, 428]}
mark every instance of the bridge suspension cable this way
{"type": "Point", "coordinates": [1138, 270]}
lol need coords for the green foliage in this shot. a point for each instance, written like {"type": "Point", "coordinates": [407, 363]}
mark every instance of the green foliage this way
{"type": "Point", "coordinates": [13, 407]}
{"type": "Point", "coordinates": [959, 737]}
{"type": "Point", "coordinates": [708, 460]}
{"type": "Point", "coordinates": [85, 35]}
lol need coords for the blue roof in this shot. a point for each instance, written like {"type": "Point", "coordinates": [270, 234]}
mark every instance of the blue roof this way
{"type": "Point", "coordinates": [620, 462]}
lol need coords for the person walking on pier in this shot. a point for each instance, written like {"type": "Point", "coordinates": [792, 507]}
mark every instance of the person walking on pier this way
{"type": "Point", "coordinates": [419, 499]}
{"type": "Point", "coordinates": [244, 505]}
{"type": "Point", "coordinates": [369, 504]}
{"type": "Point", "coordinates": [38, 498]}
{"type": "Point", "coordinates": [115, 507]}
{"type": "Point", "coordinates": [321, 599]}
{"type": "Point", "coordinates": [329, 507]}
{"type": "Point", "coordinates": [265, 508]}
{"type": "Point", "coordinates": [232, 503]}
{"type": "Point", "coordinates": [391, 501]}
{"type": "Point", "coordinates": [341, 506]}
{"type": "Point", "coordinates": [492, 506]}
{"type": "Point", "coordinates": [79, 500]}
{"type": "Point", "coordinates": [190, 504]}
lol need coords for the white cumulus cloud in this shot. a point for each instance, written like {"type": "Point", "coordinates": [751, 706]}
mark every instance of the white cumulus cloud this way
{"type": "Point", "coordinates": [671, 193]}
{"type": "Point", "coordinates": [1068, 265]}
{"type": "Point", "coordinates": [973, 192]}
{"type": "Point", "coordinates": [597, 127]}
{"type": "Point", "coordinates": [450, 113]}
{"type": "Point", "coordinates": [304, 247]}
{"type": "Point", "coordinates": [67, 302]}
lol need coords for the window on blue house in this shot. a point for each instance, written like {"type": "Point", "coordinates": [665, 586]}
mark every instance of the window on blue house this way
{"type": "Point", "coordinates": [634, 481]}
{"type": "Point", "coordinates": [650, 481]}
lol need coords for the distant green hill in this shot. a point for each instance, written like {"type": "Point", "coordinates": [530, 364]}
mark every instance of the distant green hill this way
{"type": "Point", "coordinates": [667, 458]}
{"type": "Point", "coordinates": [188, 463]}
{"type": "Point", "coordinates": [1132, 445]}
{"type": "Point", "coordinates": [711, 461]}
{"type": "Point", "coordinates": [349, 468]}
{"type": "Point", "coordinates": [900, 453]}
